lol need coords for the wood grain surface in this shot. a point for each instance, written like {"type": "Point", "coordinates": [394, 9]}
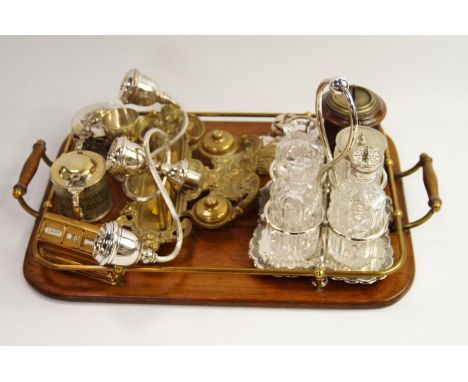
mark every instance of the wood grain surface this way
{"type": "Point", "coordinates": [226, 247]}
{"type": "Point", "coordinates": [31, 165]}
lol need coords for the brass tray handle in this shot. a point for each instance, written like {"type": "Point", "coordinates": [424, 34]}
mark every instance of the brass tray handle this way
{"type": "Point", "coordinates": [432, 188]}
{"type": "Point", "coordinates": [27, 173]}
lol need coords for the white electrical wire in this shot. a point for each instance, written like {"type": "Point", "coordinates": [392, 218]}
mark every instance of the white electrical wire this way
{"type": "Point", "coordinates": [138, 198]}
{"type": "Point", "coordinates": [166, 146]}
{"type": "Point", "coordinates": [162, 189]}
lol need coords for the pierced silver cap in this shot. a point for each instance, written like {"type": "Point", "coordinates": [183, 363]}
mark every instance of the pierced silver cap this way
{"type": "Point", "coordinates": [366, 159]}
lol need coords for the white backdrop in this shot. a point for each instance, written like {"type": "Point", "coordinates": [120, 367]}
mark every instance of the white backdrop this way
{"type": "Point", "coordinates": [423, 81]}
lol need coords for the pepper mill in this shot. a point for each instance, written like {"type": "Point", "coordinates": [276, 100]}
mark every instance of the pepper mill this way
{"type": "Point", "coordinates": [371, 110]}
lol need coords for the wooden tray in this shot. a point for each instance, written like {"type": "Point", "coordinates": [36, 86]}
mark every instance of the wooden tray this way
{"type": "Point", "coordinates": [226, 247]}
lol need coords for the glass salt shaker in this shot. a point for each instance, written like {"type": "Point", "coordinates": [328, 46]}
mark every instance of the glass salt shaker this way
{"type": "Point", "coordinates": [359, 210]}
{"type": "Point", "coordinates": [366, 136]}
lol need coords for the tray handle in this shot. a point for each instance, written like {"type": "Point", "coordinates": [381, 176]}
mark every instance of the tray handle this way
{"type": "Point", "coordinates": [27, 173]}
{"type": "Point", "coordinates": [432, 188]}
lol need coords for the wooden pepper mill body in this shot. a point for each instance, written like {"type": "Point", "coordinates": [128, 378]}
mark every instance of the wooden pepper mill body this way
{"type": "Point", "coordinates": [371, 111]}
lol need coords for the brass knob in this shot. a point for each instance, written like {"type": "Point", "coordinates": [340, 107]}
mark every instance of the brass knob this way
{"type": "Point", "coordinates": [217, 135]}
{"type": "Point", "coordinates": [212, 209]}
{"type": "Point", "coordinates": [211, 202]}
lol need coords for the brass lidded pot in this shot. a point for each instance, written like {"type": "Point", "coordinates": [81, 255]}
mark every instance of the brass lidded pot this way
{"type": "Point", "coordinates": [218, 142]}
{"type": "Point", "coordinates": [80, 185]}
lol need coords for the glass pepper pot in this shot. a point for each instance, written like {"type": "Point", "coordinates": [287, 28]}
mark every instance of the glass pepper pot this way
{"type": "Point", "coordinates": [359, 211]}
{"type": "Point", "coordinates": [366, 136]}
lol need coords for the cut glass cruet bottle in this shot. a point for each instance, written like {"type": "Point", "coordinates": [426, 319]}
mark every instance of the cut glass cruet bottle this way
{"type": "Point", "coordinates": [294, 210]}
{"type": "Point", "coordinates": [365, 136]}
{"type": "Point", "coordinates": [359, 211]}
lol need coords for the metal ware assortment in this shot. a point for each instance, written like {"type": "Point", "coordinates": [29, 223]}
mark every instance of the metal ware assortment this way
{"type": "Point", "coordinates": [323, 213]}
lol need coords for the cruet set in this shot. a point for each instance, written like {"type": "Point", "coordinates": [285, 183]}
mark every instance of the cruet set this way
{"type": "Point", "coordinates": [324, 210]}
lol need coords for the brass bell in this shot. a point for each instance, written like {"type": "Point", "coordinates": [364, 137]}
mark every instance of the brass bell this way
{"type": "Point", "coordinates": [140, 90]}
